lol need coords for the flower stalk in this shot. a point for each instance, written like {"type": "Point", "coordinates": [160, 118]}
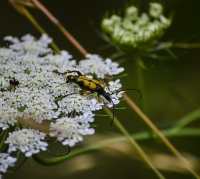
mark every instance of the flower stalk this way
{"type": "Point", "coordinates": [25, 12]}
{"type": "Point", "coordinates": [59, 25]}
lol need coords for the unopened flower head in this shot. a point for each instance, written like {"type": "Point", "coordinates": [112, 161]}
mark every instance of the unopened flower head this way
{"type": "Point", "coordinates": [136, 29]}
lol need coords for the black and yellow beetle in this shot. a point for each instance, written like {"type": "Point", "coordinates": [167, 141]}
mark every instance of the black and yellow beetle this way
{"type": "Point", "coordinates": [86, 83]}
{"type": "Point", "coordinates": [89, 84]}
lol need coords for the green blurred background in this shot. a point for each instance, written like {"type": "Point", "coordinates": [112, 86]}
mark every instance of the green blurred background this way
{"type": "Point", "coordinates": [171, 87]}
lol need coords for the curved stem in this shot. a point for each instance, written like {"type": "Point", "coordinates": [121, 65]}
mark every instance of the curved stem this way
{"type": "Point", "coordinates": [187, 119]}
{"type": "Point", "coordinates": [141, 136]}
{"type": "Point", "coordinates": [167, 45]}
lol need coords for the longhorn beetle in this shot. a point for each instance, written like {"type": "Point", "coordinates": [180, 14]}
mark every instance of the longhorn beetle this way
{"type": "Point", "coordinates": [88, 84]}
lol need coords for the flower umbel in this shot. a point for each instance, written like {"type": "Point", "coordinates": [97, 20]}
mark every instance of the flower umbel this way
{"type": "Point", "coordinates": [41, 95]}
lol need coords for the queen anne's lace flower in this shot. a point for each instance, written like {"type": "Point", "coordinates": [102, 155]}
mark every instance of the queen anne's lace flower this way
{"type": "Point", "coordinates": [40, 94]}
{"type": "Point", "coordinates": [6, 161]}
{"type": "Point", "coordinates": [28, 141]}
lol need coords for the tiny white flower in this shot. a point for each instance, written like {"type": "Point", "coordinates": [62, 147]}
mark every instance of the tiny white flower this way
{"type": "Point", "coordinates": [155, 10]}
{"type": "Point", "coordinates": [132, 13]}
{"type": "Point", "coordinates": [28, 141]}
{"type": "Point", "coordinates": [114, 85]}
{"type": "Point", "coordinates": [8, 119]}
{"type": "Point", "coordinates": [79, 104]}
{"type": "Point", "coordinates": [4, 84]}
{"type": "Point", "coordinates": [6, 160]}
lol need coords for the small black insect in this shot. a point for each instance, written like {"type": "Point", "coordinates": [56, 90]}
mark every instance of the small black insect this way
{"type": "Point", "coordinates": [13, 83]}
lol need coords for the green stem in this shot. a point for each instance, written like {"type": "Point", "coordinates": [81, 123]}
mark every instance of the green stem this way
{"type": "Point", "coordinates": [135, 145]}
{"type": "Point", "coordinates": [141, 136]}
{"type": "Point", "coordinates": [186, 45]}
{"type": "Point", "coordinates": [2, 139]}
{"type": "Point", "coordinates": [29, 16]}
{"type": "Point", "coordinates": [168, 45]}
{"type": "Point", "coordinates": [140, 79]}
{"type": "Point", "coordinates": [187, 119]}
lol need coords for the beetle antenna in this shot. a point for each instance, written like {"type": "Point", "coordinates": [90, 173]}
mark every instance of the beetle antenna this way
{"type": "Point", "coordinates": [113, 112]}
{"type": "Point", "coordinates": [113, 105]}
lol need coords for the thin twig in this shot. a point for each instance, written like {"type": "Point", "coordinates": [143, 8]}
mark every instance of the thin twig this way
{"type": "Point", "coordinates": [133, 142]}
{"type": "Point", "coordinates": [24, 11]}
{"type": "Point", "coordinates": [58, 24]}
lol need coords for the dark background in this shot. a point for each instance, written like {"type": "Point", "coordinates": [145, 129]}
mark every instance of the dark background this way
{"type": "Point", "coordinates": [172, 89]}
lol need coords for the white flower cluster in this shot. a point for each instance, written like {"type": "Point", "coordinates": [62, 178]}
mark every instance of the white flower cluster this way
{"type": "Point", "coordinates": [30, 89]}
{"type": "Point", "coordinates": [28, 141]}
{"type": "Point", "coordinates": [136, 30]}
{"type": "Point", "coordinates": [71, 130]}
